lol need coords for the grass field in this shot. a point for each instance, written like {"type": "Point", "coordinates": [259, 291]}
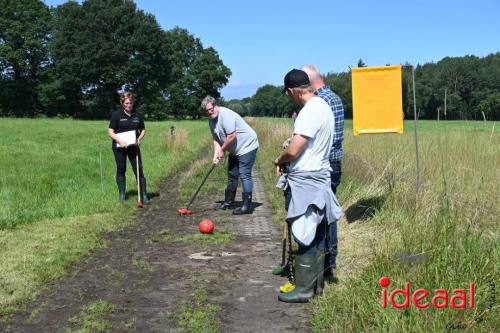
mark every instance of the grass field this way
{"type": "Point", "coordinates": [55, 166]}
{"type": "Point", "coordinates": [55, 205]}
{"type": "Point", "coordinates": [54, 202]}
{"type": "Point", "coordinates": [444, 236]}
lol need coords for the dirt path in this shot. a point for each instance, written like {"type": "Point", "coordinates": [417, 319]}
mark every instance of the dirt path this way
{"type": "Point", "coordinates": [148, 276]}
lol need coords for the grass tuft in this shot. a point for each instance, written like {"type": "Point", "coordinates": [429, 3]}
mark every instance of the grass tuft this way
{"type": "Point", "coordinates": [199, 315]}
{"type": "Point", "coordinates": [92, 319]}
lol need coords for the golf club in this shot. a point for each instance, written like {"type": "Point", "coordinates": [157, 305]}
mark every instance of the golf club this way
{"type": "Point", "coordinates": [291, 259]}
{"type": "Point", "coordinates": [278, 270]}
{"type": "Point", "coordinates": [139, 200]}
{"type": "Point", "coordinates": [187, 211]}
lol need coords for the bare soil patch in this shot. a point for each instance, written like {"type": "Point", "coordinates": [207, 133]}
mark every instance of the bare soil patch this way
{"type": "Point", "coordinates": [151, 270]}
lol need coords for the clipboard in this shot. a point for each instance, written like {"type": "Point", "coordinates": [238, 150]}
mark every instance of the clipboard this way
{"type": "Point", "coordinates": [129, 137]}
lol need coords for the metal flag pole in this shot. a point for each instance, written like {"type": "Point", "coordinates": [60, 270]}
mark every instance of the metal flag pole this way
{"type": "Point", "coordinates": [415, 116]}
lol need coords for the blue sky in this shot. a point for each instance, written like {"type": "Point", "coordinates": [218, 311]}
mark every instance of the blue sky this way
{"type": "Point", "coordinates": [260, 41]}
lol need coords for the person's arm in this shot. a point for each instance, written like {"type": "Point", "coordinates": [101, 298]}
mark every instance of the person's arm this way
{"type": "Point", "coordinates": [228, 121]}
{"type": "Point", "coordinates": [141, 135]}
{"type": "Point", "coordinates": [229, 140]}
{"type": "Point", "coordinates": [217, 150]}
{"type": "Point", "coordinates": [112, 135]}
{"type": "Point", "coordinates": [142, 129]}
{"type": "Point", "coordinates": [296, 147]}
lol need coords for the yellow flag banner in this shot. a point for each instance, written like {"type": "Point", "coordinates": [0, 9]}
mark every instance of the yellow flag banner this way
{"type": "Point", "coordinates": [377, 100]}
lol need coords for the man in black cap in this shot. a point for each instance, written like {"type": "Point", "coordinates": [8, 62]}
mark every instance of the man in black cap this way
{"type": "Point", "coordinates": [310, 202]}
{"type": "Point", "coordinates": [336, 153]}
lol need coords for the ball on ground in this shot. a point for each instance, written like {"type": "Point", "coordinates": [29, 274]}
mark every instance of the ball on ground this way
{"type": "Point", "coordinates": [206, 226]}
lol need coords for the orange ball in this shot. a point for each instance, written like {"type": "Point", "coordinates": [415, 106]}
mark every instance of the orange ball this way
{"type": "Point", "coordinates": [206, 226]}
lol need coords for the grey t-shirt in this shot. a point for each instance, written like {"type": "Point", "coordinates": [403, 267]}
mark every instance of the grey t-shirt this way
{"type": "Point", "coordinates": [226, 123]}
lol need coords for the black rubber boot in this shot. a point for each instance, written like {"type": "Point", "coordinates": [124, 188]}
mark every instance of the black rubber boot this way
{"type": "Point", "coordinates": [121, 181]}
{"type": "Point", "coordinates": [144, 192]}
{"type": "Point", "coordinates": [246, 208]}
{"type": "Point", "coordinates": [320, 283]}
{"type": "Point", "coordinates": [228, 200]}
{"type": "Point", "coordinates": [306, 273]}
{"type": "Point", "coordinates": [329, 276]}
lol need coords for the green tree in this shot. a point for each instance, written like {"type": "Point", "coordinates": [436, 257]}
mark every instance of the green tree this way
{"type": "Point", "coordinates": [196, 72]}
{"type": "Point", "coordinates": [103, 46]}
{"type": "Point", "coordinates": [459, 76]}
{"type": "Point", "coordinates": [341, 84]}
{"type": "Point", "coordinates": [242, 107]}
{"type": "Point", "coordinates": [490, 106]}
{"type": "Point", "coordinates": [24, 35]}
{"type": "Point", "coordinates": [269, 101]}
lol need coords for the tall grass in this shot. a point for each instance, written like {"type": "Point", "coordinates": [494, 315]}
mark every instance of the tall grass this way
{"type": "Point", "coordinates": [52, 168]}
{"type": "Point", "coordinates": [54, 204]}
{"type": "Point", "coordinates": [444, 237]}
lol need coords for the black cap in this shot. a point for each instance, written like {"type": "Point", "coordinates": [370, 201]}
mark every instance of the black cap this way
{"type": "Point", "coordinates": [295, 78]}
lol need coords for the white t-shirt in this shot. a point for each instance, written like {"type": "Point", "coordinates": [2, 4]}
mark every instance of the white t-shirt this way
{"type": "Point", "coordinates": [315, 121]}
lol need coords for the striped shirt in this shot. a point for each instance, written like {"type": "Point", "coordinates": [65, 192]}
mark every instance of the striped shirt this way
{"type": "Point", "coordinates": [335, 104]}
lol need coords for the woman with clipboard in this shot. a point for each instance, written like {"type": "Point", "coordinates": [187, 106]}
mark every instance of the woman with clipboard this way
{"type": "Point", "coordinates": [126, 129]}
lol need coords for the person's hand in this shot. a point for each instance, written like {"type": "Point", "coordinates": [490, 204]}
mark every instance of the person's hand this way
{"type": "Point", "coordinates": [279, 167]}
{"type": "Point", "coordinates": [219, 153]}
{"type": "Point", "coordinates": [286, 143]}
{"type": "Point", "coordinates": [278, 170]}
{"type": "Point", "coordinates": [123, 144]}
{"type": "Point", "coordinates": [138, 142]}
{"type": "Point", "coordinates": [217, 160]}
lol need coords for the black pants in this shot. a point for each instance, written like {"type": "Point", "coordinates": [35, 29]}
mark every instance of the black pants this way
{"type": "Point", "coordinates": [121, 160]}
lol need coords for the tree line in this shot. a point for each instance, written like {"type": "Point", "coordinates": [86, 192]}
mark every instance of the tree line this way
{"type": "Point", "coordinates": [454, 88]}
{"type": "Point", "coordinates": [74, 60]}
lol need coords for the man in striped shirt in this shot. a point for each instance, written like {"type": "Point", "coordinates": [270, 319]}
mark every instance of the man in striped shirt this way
{"type": "Point", "coordinates": [337, 107]}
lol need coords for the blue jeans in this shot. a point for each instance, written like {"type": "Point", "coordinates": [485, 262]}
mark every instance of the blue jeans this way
{"type": "Point", "coordinates": [241, 166]}
{"type": "Point", "coordinates": [331, 237]}
{"type": "Point", "coordinates": [318, 243]}
{"type": "Point", "coordinates": [335, 174]}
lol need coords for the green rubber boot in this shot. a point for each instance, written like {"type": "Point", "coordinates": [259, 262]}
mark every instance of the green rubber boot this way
{"type": "Point", "coordinates": [121, 181]}
{"type": "Point", "coordinates": [144, 192]}
{"type": "Point", "coordinates": [306, 273]}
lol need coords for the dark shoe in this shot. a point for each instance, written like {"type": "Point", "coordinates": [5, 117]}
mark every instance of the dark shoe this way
{"type": "Point", "coordinates": [320, 284]}
{"type": "Point", "coordinates": [246, 208]}
{"type": "Point", "coordinates": [330, 277]}
{"type": "Point", "coordinates": [144, 192]}
{"type": "Point", "coordinates": [120, 181]}
{"type": "Point", "coordinates": [228, 200]}
{"type": "Point", "coordinates": [306, 273]}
